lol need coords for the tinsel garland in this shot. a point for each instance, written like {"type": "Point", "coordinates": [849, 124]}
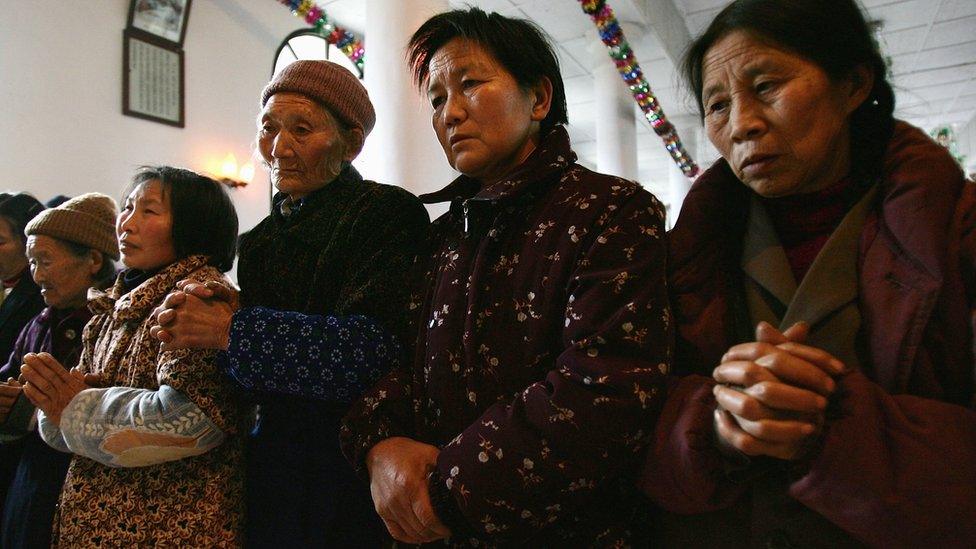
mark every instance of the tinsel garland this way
{"type": "Point", "coordinates": [315, 16]}
{"type": "Point", "coordinates": [629, 69]}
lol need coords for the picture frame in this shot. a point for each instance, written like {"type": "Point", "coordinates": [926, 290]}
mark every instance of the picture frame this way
{"type": "Point", "coordinates": [153, 83]}
{"type": "Point", "coordinates": [165, 19]}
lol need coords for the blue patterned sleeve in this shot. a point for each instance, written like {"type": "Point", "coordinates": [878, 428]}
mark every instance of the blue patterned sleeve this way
{"type": "Point", "coordinates": [323, 357]}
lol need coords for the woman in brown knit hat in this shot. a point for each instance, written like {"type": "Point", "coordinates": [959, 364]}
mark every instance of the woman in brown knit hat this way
{"type": "Point", "coordinates": [70, 249]}
{"type": "Point", "coordinates": [322, 308]}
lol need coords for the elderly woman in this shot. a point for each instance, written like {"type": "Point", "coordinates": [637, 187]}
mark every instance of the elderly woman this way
{"type": "Point", "coordinates": [823, 277]}
{"type": "Point", "coordinates": [70, 249]}
{"type": "Point", "coordinates": [322, 310]}
{"type": "Point", "coordinates": [544, 335]}
{"type": "Point", "coordinates": [156, 461]}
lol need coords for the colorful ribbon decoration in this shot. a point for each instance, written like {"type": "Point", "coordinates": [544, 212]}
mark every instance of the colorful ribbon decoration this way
{"type": "Point", "coordinates": [315, 16]}
{"type": "Point", "coordinates": [629, 69]}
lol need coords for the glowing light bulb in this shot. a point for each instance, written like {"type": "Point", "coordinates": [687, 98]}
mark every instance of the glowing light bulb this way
{"type": "Point", "coordinates": [228, 168]}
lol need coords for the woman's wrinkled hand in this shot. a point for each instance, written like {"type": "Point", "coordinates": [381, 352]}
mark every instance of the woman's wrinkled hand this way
{"type": "Point", "coordinates": [398, 469]}
{"type": "Point", "coordinates": [48, 385]}
{"type": "Point", "coordinates": [772, 393]}
{"type": "Point", "coordinates": [195, 316]}
{"type": "Point", "coordinates": [9, 393]}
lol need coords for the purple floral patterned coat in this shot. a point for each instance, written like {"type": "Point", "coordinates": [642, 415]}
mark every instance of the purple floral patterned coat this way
{"type": "Point", "coordinates": [543, 343]}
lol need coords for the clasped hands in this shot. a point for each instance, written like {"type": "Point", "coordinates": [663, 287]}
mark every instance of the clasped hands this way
{"type": "Point", "coordinates": [50, 387]}
{"type": "Point", "coordinates": [195, 316]}
{"type": "Point", "coordinates": [773, 392]}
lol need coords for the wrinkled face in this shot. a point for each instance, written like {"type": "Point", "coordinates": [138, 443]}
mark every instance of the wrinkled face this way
{"type": "Point", "coordinates": [145, 228]}
{"type": "Point", "coordinates": [486, 123]}
{"type": "Point", "coordinates": [12, 258]}
{"type": "Point", "coordinates": [777, 118]}
{"type": "Point", "coordinates": [301, 143]}
{"type": "Point", "coordinates": [64, 277]}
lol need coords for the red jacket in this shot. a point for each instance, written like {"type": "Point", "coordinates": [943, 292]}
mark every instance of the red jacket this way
{"type": "Point", "coordinates": [897, 466]}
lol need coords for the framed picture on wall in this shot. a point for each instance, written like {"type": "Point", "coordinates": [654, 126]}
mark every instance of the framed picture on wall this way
{"type": "Point", "coordinates": [152, 79]}
{"type": "Point", "coordinates": [165, 19]}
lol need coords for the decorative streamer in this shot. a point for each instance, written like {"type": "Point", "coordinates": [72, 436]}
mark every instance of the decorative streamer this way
{"type": "Point", "coordinates": [315, 16]}
{"type": "Point", "coordinates": [946, 136]}
{"type": "Point", "coordinates": [629, 69]}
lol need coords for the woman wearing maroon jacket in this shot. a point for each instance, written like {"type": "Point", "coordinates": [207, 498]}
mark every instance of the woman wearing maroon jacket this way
{"type": "Point", "coordinates": [544, 335]}
{"type": "Point", "coordinates": [823, 279]}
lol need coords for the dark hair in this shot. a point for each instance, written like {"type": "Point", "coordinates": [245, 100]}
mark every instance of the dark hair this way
{"type": "Point", "coordinates": [17, 210]}
{"type": "Point", "coordinates": [105, 274]}
{"type": "Point", "coordinates": [57, 200]}
{"type": "Point", "coordinates": [204, 218]}
{"type": "Point", "coordinates": [519, 45]}
{"type": "Point", "coordinates": [832, 34]}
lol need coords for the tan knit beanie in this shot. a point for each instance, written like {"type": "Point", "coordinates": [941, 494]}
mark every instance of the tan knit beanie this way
{"type": "Point", "coordinates": [330, 84]}
{"type": "Point", "coordinates": [88, 220]}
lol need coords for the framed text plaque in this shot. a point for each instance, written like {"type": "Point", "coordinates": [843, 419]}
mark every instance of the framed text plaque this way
{"type": "Point", "coordinates": [152, 79]}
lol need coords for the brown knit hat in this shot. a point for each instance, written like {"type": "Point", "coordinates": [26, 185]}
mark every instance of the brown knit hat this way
{"type": "Point", "coordinates": [329, 84]}
{"type": "Point", "coordinates": [88, 220]}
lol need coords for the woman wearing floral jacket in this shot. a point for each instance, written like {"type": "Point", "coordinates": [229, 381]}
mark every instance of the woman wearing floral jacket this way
{"type": "Point", "coordinates": [157, 462]}
{"type": "Point", "coordinates": [544, 326]}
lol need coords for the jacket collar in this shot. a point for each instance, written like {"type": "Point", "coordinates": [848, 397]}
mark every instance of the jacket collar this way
{"type": "Point", "coordinates": [137, 303]}
{"type": "Point", "coordinates": [551, 157]}
{"type": "Point", "coordinates": [831, 282]}
{"type": "Point", "coordinates": [347, 178]}
{"type": "Point", "coordinates": [51, 315]}
{"type": "Point", "coordinates": [919, 180]}
{"type": "Point", "coordinates": [19, 296]}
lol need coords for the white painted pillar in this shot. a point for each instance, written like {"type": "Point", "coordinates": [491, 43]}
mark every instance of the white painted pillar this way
{"type": "Point", "coordinates": [402, 148]}
{"type": "Point", "coordinates": [690, 131]}
{"type": "Point", "coordinates": [614, 113]}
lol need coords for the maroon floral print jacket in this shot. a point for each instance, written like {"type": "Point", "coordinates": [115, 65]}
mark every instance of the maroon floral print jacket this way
{"type": "Point", "coordinates": [543, 342]}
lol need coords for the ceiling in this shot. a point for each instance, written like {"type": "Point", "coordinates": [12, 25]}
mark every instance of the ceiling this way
{"type": "Point", "coordinates": [931, 44]}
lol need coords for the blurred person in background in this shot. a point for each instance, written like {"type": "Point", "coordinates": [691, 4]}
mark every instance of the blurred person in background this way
{"type": "Point", "coordinates": [70, 249]}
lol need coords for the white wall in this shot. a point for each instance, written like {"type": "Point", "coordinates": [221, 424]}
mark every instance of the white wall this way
{"type": "Point", "coordinates": [62, 130]}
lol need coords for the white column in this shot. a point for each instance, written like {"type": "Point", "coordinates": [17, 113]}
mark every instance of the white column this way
{"type": "Point", "coordinates": [690, 131]}
{"type": "Point", "coordinates": [402, 148]}
{"type": "Point", "coordinates": [614, 113]}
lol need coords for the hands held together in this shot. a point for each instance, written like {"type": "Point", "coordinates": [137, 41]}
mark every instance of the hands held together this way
{"type": "Point", "coordinates": [195, 316]}
{"type": "Point", "coordinates": [772, 393]}
{"type": "Point", "coordinates": [49, 386]}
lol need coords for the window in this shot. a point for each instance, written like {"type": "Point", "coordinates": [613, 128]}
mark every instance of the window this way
{"type": "Point", "coordinates": [307, 44]}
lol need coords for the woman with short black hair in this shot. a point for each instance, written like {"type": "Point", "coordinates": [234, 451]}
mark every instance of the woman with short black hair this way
{"type": "Point", "coordinates": [544, 333]}
{"type": "Point", "coordinates": [823, 279]}
{"type": "Point", "coordinates": [157, 462]}
{"type": "Point", "coordinates": [201, 225]}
